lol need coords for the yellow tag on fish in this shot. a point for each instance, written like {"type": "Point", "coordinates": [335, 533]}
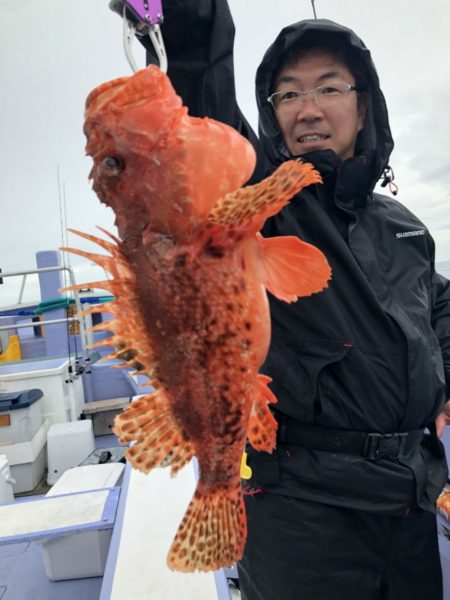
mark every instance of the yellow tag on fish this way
{"type": "Point", "coordinates": [246, 471]}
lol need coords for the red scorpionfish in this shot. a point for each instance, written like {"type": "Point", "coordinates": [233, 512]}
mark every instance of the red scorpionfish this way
{"type": "Point", "coordinates": [190, 274]}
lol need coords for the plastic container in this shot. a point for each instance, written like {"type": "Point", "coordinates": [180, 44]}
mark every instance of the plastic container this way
{"type": "Point", "coordinates": [63, 394]}
{"type": "Point", "coordinates": [27, 460]}
{"type": "Point", "coordinates": [6, 481]}
{"type": "Point", "coordinates": [20, 416]}
{"type": "Point", "coordinates": [87, 477]}
{"type": "Point", "coordinates": [12, 351]}
{"type": "Point", "coordinates": [83, 554]}
{"type": "Point", "coordinates": [68, 445]}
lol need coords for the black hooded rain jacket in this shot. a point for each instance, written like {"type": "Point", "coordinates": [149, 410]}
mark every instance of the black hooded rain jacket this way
{"type": "Point", "coordinates": [371, 353]}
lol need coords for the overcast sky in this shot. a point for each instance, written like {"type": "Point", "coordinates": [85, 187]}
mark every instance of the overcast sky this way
{"type": "Point", "coordinates": [53, 53]}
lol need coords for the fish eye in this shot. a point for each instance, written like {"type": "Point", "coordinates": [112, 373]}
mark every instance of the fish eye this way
{"type": "Point", "coordinates": [113, 164]}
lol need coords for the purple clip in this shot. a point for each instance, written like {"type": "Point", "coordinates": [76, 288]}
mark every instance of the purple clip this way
{"type": "Point", "coordinates": [147, 12]}
{"type": "Point", "coordinates": [141, 17]}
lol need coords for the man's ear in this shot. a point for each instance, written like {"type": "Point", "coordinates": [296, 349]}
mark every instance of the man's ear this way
{"type": "Point", "coordinates": [363, 101]}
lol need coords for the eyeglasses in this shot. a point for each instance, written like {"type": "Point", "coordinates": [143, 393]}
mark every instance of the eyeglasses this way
{"type": "Point", "coordinates": [324, 96]}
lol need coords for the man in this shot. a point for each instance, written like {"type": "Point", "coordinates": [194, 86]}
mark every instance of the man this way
{"type": "Point", "coordinates": [344, 508]}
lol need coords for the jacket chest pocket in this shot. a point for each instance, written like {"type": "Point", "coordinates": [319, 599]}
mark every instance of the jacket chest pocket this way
{"type": "Point", "coordinates": [297, 369]}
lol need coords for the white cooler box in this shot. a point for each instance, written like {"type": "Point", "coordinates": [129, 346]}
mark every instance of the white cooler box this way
{"type": "Point", "coordinates": [20, 415]}
{"type": "Point", "coordinates": [6, 481]}
{"type": "Point", "coordinates": [63, 398]}
{"type": "Point", "coordinates": [80, 555]}
{"type": "Point", "coordinates": [27, 460]}
{"type": "Point", "coordinates": [23, 437]}
{"type": "Point", "coordinates": [68, 445]}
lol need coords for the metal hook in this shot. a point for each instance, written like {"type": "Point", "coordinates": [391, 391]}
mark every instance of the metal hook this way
{"type": "Point", "coordinates": [138, 21]}
{"type": "Point", "coordinates": [158, 43]}
{"type": "Point", "coordinates": [129, 31]}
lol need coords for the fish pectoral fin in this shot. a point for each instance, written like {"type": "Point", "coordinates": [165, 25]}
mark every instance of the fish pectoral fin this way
{"type": "Point", "coordinates": [248, 208]}
{"type": "Point", "coordinates": [262, 425]}
{"type": "Point", "coordinates": [158, 440]}
{"type": "Point", "coordinates": [212, 533]}
{"type": "Point", "coordinates": [290, 268]}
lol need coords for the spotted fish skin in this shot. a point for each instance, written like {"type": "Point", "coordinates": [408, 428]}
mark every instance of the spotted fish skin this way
{"type": "Point", "coordinates": [189, 274]}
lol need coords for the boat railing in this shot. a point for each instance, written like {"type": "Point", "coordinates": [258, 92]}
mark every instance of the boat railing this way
{"type": "Point", "coordinates": [85, 334]}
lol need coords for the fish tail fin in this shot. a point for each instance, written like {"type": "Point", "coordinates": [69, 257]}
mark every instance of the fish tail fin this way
{"type": "Point", "coordinates": [262, 425]}
{"type": "Point", "coordinates": [158, 440]}
{"type": "Point", "coordinates": [291, 268]}
{"type": "Point", "coordinates": [212, 533]}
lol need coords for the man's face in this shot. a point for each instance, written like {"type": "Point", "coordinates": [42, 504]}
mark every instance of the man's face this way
{"type": "Point", "coordinates": [312, 125]}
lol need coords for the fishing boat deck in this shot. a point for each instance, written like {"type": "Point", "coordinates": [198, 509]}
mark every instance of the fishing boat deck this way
{"type": "Point", "coordinates": [23, 577]}
{"type": "Point", "coordinates": [149, 510]}
{"type": "Point", "coordinates": [148, 513]}
{"type": "Point", "coordinates": [22, 573]}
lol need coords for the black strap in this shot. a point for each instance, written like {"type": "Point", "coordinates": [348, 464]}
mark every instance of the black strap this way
{"type": "Point", "coordinates": [372, 446]}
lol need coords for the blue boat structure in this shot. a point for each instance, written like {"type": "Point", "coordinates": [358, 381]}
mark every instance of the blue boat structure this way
{"type": "Point", "coordinates": [75, 520]}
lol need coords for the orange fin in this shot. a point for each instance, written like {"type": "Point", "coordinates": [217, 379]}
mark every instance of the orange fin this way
{"type": "Point", "coordinates": [159, 441]}
{"type": "Point", "coordinates": [112, 248]}
{"type": "Point", "coordinates": [130, 336]}
{"type": "Point", "coordinates": [291, 268]}
{"type": "Point", "coordinates": [116, 264]}
{"type": "Point", "coordinates": [111, 285]}
{"type": "Point", "coordinates": [262, 425]}
{"type": "Point", "coordinates": [212, 533]}
{"type": "Point", "coordinates": [106, 262]}
{"type": "Point", "coordinates": [249, 207]}
{"type": "Point", "coordinates": [106, 307]}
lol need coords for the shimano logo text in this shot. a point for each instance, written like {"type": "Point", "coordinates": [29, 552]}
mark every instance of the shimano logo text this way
{"type": "Point", "coordinates": [403, 234]}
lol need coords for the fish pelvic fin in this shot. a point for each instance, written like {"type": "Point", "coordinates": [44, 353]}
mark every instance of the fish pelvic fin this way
{"type": "Point", "coordinates": [212, 533]}
{"type": "Point", "coordinates": [248, 208]}
{"type": "Point", "coordinates": [262, 425]}
{"type": "Point", "coordinates": [149, 423]}
{"type": "Point", "coordinates": [290, 268]}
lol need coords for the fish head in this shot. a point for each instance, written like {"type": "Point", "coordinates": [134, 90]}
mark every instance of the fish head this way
{"type": "Point", "coordinates": [158, 168]}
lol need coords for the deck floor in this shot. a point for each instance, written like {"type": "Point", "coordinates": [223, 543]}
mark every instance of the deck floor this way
{"type": "Point", "coordinates": [22, 577]}
{"type": "Point", "coordinates": [22, 573]}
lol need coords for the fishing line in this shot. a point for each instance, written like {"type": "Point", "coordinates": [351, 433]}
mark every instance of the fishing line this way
{"type": "Point", "coordinates": [65, 224]}
{"type": "Point", "coordinates": [314, 8]}
{"type": "Point", "coordinates": [61, 221]}
{"type": "Point", "coordinates": [74, 323]}
{"type": "Point", "coordinates": [63, 240]}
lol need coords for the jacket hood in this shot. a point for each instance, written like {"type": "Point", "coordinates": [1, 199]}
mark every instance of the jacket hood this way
{"type": "Point", "coordinates": [374, 139]}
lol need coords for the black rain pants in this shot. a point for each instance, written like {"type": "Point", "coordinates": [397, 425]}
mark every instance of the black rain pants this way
{"type": "Point", "coordinates": [301, 550]}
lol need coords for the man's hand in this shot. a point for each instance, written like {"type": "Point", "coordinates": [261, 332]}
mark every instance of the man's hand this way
{"type": "Point", "coordinates": [443, 419]}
